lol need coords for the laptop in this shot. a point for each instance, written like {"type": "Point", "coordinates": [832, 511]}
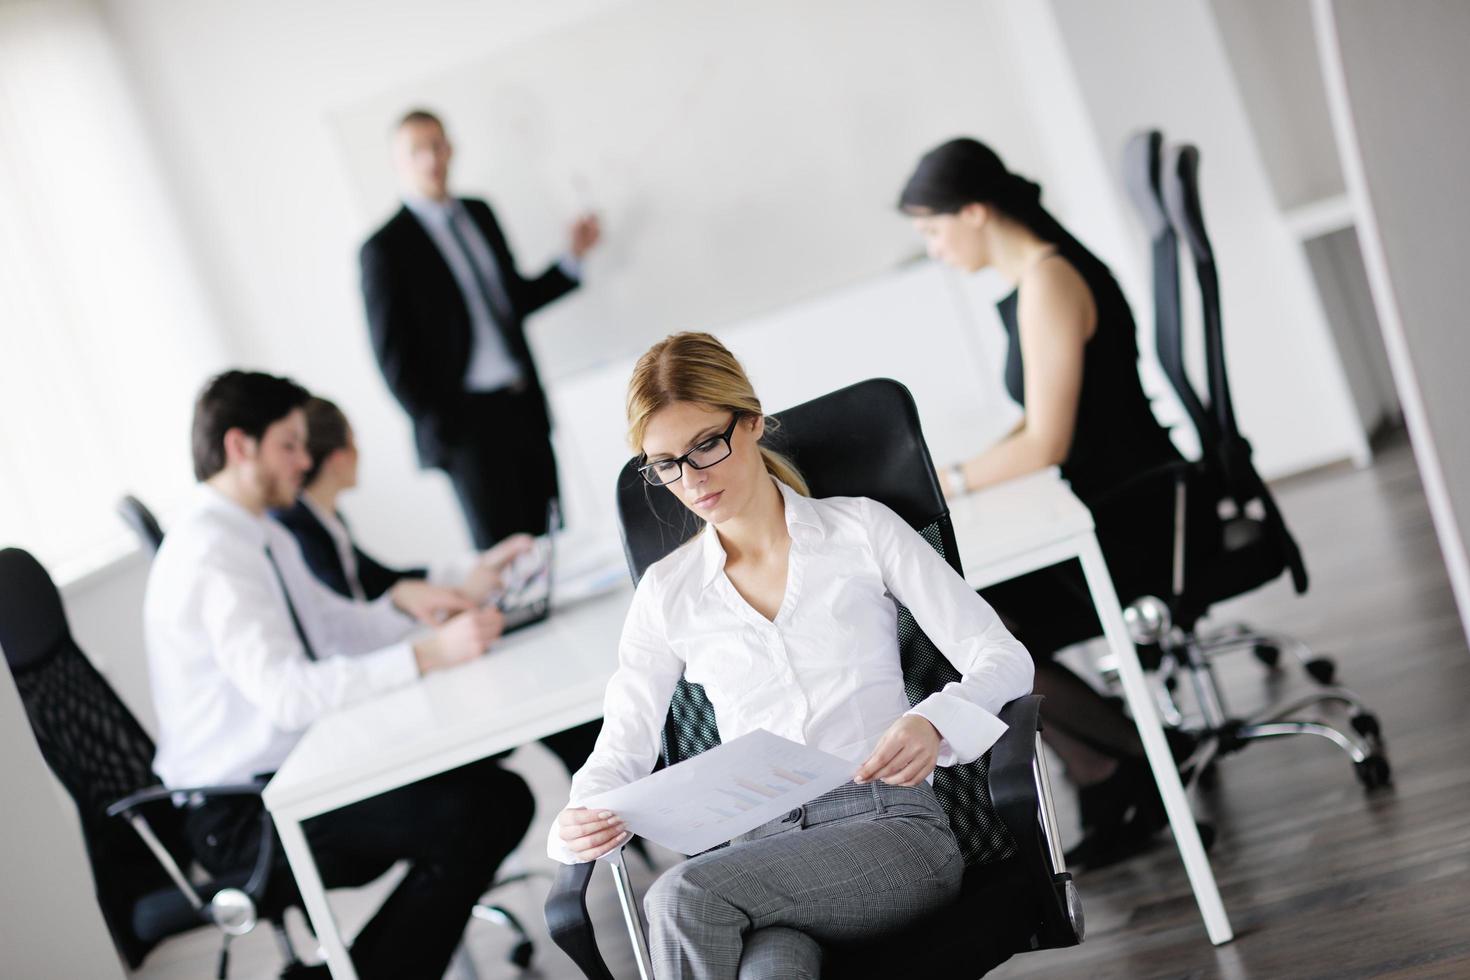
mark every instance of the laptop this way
{"type": "Point", "coordinates": [527, 599]}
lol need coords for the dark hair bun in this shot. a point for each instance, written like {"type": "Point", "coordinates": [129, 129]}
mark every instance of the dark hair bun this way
{"type": "Point", "coordinates": [966, 171]}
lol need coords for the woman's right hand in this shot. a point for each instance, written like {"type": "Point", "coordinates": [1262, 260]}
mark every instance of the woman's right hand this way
{"type": "Point", "coordinates": [589, 834]}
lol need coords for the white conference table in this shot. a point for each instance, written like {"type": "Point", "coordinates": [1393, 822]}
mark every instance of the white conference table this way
{"type": "Point", "coordinates": [1036, 521]}
{"type": "Point", "coordinates": [539, 680]}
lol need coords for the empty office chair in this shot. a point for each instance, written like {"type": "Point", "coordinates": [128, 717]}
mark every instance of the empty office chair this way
{"type": "Point", "coordinates": [865, 440]}
{"type": "Point", "coordinates": [1231, 538]}
{"type": "Point", "coordinates": [141, 861]}
{"type": "Point", "coordinates": [1143, 176]}
{"type": "Point", "coordinates": [138, 517]}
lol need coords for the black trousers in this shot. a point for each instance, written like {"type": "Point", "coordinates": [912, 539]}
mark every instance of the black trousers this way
{"type": "Point", "coordinates": [1051, 608]}
{"type": "Point", "coordinates": [574, 745]}
{"type": "Point", "coordinates": [501, 465]}
{"type": "Point", "coordinates": [454, 829]}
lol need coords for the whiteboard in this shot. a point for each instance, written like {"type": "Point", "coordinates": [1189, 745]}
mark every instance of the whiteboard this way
{"type": "Point", "coordinates": [744, 156]}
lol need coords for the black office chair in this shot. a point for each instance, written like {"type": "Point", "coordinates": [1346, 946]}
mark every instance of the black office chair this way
{"type": "Point", "coordinates": [1143, 176]}
{"type": "Point", "coordinates": [138, 517]}
{"type": "Point", "coordinates": [865, 440]}
{"type": "Point", "coordinates": [1230, 536]}
{"type": "Point", "coordinates": [141, 861]}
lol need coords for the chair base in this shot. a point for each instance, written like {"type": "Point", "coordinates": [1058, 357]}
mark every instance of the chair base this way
{"type": "Point", "coordinates": [1267, 646]}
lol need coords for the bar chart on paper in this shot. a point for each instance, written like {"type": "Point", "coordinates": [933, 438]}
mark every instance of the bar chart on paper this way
{"type": "Point", "coordinates": [722, 793]}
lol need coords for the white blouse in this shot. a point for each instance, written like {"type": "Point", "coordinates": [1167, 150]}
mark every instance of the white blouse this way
{"type": "Point", "coordinates": [826, 671]}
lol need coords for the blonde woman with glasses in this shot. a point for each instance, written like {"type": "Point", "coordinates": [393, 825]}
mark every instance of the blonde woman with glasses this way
{"type": "Point", "coordinates": [783, 608]}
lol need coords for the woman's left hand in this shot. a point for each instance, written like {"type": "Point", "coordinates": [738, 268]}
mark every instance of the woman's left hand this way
{"type": "Point", "coordinates": [905, 755]}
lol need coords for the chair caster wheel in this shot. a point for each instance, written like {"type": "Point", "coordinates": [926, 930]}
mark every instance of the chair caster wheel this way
{"type": "Point", "coordinates": [1366, 725]}
{"type": "Point", "coordinates": [521, 955]}
{"type": "Point", "coordinates": [1268, 654]}
{"type": "Point", "coordinates": [1322, 670]}
{"type": "Point", "coordinates": [1373, 772]}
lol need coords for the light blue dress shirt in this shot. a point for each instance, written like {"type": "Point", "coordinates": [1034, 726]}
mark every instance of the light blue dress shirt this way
{"type": "Point", "coordinates": [491, 365]}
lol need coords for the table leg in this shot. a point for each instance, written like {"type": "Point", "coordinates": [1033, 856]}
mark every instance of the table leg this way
{"type": "Point", "coordinates": [1156, 747]}
{"type": "Point", "coordinates": [314, 896]}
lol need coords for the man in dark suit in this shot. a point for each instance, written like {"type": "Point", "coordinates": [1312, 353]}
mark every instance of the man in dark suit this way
{"type": "Point", "coordinates": [446, 308]}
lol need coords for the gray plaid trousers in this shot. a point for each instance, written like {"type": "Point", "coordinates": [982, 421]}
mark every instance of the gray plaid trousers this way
{"type": "Point", "coordinates": [853, 863]}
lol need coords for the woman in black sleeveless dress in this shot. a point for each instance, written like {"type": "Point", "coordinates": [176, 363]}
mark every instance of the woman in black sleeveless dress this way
{"type": "Point", "coordinates": [1073, 368]}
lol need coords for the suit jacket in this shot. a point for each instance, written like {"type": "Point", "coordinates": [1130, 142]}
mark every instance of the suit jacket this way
{"type": "Point", "coordinates": [420, 325]}
{"type": "Point", "coordinates": [320, 552]}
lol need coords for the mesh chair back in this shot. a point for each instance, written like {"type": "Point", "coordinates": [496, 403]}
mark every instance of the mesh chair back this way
{"type": "Point", "coordinates": [138, 517]}
{"type": "Point", "coordinates": [861, 441]}
{"type": "Point", "coordinates": [1226, 452]}
{"type": "Point", "coordinates": [1142, 174]}
{"type": "Point", "coordinates": [87, 736]}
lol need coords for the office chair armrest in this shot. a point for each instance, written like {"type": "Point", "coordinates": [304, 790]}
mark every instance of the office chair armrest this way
{"type": "Point", "coordinates": [156, 793]}
{"type": "Point", "coordinates": [569, 923]}
{"type": "Point", "coordinates": [1021, 793]}
{"type": "Point", "coordinates": [1176, 468]}
{"type": "Point", "coordinates": [260, 872]}
{"type": "Point", "coordinates": [1012, 780]}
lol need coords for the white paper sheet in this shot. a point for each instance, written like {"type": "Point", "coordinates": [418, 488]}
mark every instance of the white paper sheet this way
{"type": "Point", "coordinates": [722, 793]}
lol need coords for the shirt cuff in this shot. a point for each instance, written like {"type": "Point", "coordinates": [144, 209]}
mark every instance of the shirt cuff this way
{"type": "Point", "coordinates": [966, 730]}
{"type": "Point", "coordinates": [390, 667]}
{"type": "Point", "coordinates": [570, 266]}
{"type": "Point", "coordinates": [557, 850]}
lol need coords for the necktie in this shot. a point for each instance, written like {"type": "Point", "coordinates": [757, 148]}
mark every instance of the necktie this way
{"type": "Point", "coordinates": [290, 606]}
{"type": "Point", "coordinates": [491, 289]}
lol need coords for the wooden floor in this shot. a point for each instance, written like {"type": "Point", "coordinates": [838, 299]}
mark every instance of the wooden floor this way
{"type": "Point", "coordinates": [1319, 878]}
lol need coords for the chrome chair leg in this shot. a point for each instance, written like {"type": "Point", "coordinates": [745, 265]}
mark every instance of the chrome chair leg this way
{"type": "Point", "coordinates": [633, 917]}
{"type": "Point", "coordinates": [1279, 728]}
{"type": "Point", "coordinates": [1331, 695]}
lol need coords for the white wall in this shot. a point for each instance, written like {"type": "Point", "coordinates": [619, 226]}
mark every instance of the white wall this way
{"type": "Point", "coordinates": [50, 925]}
{"type": "Point", "coordinates": [239, 97]}
{"type": "Point", "coordinates": [745, 156]}
{"type": "Point", "coordinates": [1161, 63]}
{"type": "Point", "coordinates": [267, 113]}
{"type": "Point", "coordinates": [1393, 71]}
{"type": "Point", "coordinates": [252, 103]}
{"type": "Point", "coordinates": [105, 325]}
{"type": "Point", "coordinates": [251, 106]}
{"type": "Point", "coordinates": [1272, 50]}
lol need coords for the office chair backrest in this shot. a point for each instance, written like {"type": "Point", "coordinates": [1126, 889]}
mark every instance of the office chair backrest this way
{"type": "Point", "coordinates": [1182, 202]}
{"type": "Point", "coordinates": [1227, 452]}
{"type": "Point", "coordinates": [87, 736]}
{"type": "Point", "coordinates": [141, 520]}
{"type": "Point", "coordinates": [861, 441]}
{"type": "Point", "coordinates": [1142, 165]}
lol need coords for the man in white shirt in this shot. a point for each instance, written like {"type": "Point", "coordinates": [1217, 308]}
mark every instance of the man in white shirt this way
{"type": "Point", "coordinates": [246, 649]}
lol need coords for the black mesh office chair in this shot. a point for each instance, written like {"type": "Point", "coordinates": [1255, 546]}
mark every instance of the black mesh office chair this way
{"type": "Point", "coordinates": [1143, 176]}
{"type": "Point", "coordinates": [1230, 536]}
{"type": "Point", "coordinates": [133, 831]}
{"type": "Point", "coordinates": [865, 440]}
{"type": "Point", "coordinates": [138, 517]}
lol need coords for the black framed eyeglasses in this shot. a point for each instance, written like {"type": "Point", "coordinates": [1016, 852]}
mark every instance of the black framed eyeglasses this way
{"type": "Point", "coordinates": [715, 449]}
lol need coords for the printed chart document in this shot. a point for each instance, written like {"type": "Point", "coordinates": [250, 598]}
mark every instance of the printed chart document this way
{"type": "Point", "coordinates": [722, 793]}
